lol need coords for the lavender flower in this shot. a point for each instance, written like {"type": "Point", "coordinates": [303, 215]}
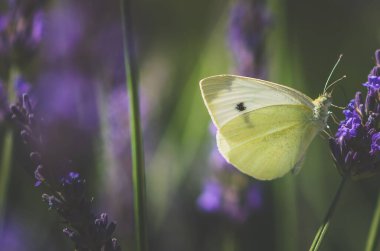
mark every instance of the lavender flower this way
{"type": "Point", "coordinates": [356, 145]}
{"type": "Point", "coordinates": [20, 86]}
{"type": "Point", "coordinates": [66, 193]}
{"type": "Point", "coordinates": [248, 24]}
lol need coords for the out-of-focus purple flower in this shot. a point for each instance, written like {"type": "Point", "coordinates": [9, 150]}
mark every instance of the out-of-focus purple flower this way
{"type": "Point", "coordinates": [72, 39]}
{"type": "Point", "coordinates": [64, 29]}
{"type": "Point", "coordinates": [211, 198]}
{"type": "Point", "coordinates": [356, 145]}
{"type": "Point", "coordinates": [249, 21]}
{"type": "Point", "coordinates": [236, 198]}
{"type": "Point", "coordinates": [21, 26]}
{"type": "Point", "coordinates": [117, 149]}
{"type": "Point", "coordinates": [118, 119]}
{"type": "Point", "coordinates": [12, 237]}
{"type": "Point", "coordinates": [228, 192]}
{"type": "Point", "coordinates": [69, 96]}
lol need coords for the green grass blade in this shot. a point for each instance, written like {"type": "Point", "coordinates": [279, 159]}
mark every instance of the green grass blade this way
{"type": "Point", "coordinates": [326, 222]}
{"type": "Point", "coordinates": [5, 168]}
{"type": "Point", "coordinates": [374, 228]}
{"type": "Point", "coordinates": [138, 172]}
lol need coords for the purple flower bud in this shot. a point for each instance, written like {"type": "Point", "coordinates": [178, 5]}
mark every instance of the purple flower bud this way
{"type": "Point", "coordinates": [356, 145]}
{"type": "Point", "coordinates": [102, 221]}
{"type": "Point", "coordinates": [38, 175]}
{"type": "Point", "coordinates": [74, 236]}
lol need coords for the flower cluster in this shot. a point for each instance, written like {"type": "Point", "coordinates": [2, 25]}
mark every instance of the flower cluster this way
{"type": "Point", "coordinates": [356, 145]}
{"type": "Point", "coordinates": [66, 193]}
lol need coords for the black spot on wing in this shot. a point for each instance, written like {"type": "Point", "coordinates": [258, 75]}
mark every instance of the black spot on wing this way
{"type": "Point", "coordinates": [240, 107]}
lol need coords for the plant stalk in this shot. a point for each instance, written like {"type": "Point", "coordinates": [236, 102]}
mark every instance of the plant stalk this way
{"type": "Point", "coordinates": [138, 172]}
{"type": "Point", "coordinates": [325, 224]}
{"type": "Point", "coordinates": [374, 228]}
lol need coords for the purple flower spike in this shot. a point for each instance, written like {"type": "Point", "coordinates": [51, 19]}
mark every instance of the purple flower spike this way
{"type": "Point", "coordinates": [356, 145]}
{"type": "Point", "coordinates": [248, 24]}
{"type": "Point", "coordinates": [228, 192]}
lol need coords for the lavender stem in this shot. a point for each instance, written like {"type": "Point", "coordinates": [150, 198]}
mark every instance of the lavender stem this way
{"type": "Point", "coordinates": [325, 224]}
{"type": "Point", "coordinates": [374, 229]}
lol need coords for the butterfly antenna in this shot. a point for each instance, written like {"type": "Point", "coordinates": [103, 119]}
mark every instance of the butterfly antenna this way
{"type": "Point", "coordinates": [335, 119]}
{"type": "Point", "coordinates": [333, 83]}
{"type": "Point", "coordinates": [332, 71]}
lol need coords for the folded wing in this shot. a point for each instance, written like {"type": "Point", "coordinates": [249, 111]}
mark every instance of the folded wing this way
{"type": "Point", "coordinates": [268, 142]}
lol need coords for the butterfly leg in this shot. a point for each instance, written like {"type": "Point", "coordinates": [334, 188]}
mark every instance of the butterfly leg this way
{"type": "Point", "coordinates": [297, 167]}
{"type": "Point", "coordinates": [334, 118]}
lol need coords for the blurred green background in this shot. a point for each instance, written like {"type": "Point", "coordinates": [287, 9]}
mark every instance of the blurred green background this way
{"type": "Point", "coordinates": [179, 43]}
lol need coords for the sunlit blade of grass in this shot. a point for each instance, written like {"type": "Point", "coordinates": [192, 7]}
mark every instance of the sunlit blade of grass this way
{"type": "Point", "coordinates": [138, 172]}
{"type": "Point", "coordinates": [372, 239]}
{"type": "Point", "coordinates": [6, 162]}
{"type": "Point", "coordinates": [326, 221]}
{"type": "Point", "coordinates": [7, 149]}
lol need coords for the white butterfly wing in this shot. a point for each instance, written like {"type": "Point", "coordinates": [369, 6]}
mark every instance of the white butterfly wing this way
{"type": "Point", "coordinates": [264, 128]}
{"type": "Point", "coordinates": [269, 142]}
{"type": "Point", "coordinates": [223, 93]}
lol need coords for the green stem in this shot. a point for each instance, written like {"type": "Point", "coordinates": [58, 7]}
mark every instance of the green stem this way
{"type": "Point", "coordinates": [6, 162]}
{"type": "Point", "coordinates": [229, 241]}
{"type": "Point", "coordinates": [6, 154]}
{"type": "Point", "coordinates": [138, 173]}
{"type": "Point", "coordinates": [285, 200]}
{"type": "Point", "coordinates": [325, 224]}
{"type": "Point", "coordinates": [372, 240]}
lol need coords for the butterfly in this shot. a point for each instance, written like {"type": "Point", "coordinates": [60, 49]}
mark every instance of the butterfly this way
{"type": "Point", "coordinates": [263, 128]}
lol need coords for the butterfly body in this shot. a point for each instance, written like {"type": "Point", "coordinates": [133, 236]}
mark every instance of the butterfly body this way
{"type": "Point", "coordinates": [321, 108]}
{"type": "Point", "coordinates": [263, 128]}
